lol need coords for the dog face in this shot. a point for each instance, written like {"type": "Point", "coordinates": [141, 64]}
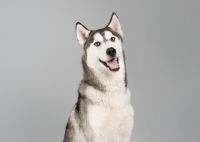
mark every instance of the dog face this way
{"type": "Point", "coordinates": [103, 47]}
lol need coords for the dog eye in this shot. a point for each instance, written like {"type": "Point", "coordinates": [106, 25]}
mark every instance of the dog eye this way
{"type": "Point", "coordinates": [97, 43]}
{"type": "Point", "coordinates": [112, 39]}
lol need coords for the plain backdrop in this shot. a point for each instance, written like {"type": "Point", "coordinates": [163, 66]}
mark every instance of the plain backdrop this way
{"type": "Point", "coordinates": [40, 66]}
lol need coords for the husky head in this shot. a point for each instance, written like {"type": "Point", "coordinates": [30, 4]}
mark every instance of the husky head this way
{"type": "Point", "coordinates": [103, 47]}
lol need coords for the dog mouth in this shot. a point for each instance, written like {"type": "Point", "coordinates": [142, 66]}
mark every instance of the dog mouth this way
{"type": "Point", "coordinates": [112, 64]}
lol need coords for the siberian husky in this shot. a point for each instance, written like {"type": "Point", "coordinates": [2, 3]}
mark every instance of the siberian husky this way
{"type": "Point", "coordinates": [103, 112]}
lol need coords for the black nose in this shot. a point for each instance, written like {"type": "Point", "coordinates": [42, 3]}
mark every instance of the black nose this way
{"type": "Point", "coordinates": [111, 52]}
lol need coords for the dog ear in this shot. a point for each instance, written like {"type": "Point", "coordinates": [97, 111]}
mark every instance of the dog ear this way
{"type": "Point", "coordinates": [82, 33]}
{"type": "Point", "coordinates": [115, 25]}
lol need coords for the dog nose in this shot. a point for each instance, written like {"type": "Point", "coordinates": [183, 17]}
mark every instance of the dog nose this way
{"type": "Point", "coordinates": [111, 52]}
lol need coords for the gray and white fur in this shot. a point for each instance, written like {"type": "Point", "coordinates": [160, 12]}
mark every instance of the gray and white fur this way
{"type": "Point", "coordinates": [103, 112]}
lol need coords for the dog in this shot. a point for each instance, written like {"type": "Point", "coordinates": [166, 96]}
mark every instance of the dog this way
{"type": "Point", "coordinates": [103, 112]}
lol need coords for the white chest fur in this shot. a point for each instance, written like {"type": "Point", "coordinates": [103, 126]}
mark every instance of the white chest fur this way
{"type": "Point", "coordinates": [111, 118]}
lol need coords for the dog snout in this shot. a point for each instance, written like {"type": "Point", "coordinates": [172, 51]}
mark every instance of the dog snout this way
{"type": "Point", "coordinates": [111, 52]}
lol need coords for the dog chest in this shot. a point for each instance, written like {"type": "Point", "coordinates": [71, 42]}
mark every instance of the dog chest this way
{"type": "Point", "coordinates": [110, 122]}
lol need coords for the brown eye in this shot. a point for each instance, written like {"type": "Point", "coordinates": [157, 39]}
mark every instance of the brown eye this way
{"type": "Point", "coordinates": [112, 39]}
{"type": "Point", "coordinates": [97, 44]}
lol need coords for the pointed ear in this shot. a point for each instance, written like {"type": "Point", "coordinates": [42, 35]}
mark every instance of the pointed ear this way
{"type": "Point", "coordinates": [82, 33]}
{"type": "Point", "coordinates": [115, 25]}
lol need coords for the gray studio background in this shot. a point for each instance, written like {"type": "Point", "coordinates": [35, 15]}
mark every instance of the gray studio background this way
{"type": "Point", "coordinates": [40, 66]}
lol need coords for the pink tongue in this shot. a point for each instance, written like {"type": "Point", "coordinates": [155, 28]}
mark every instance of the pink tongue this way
{"type": "Point", "coordinates": [113, 64]}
